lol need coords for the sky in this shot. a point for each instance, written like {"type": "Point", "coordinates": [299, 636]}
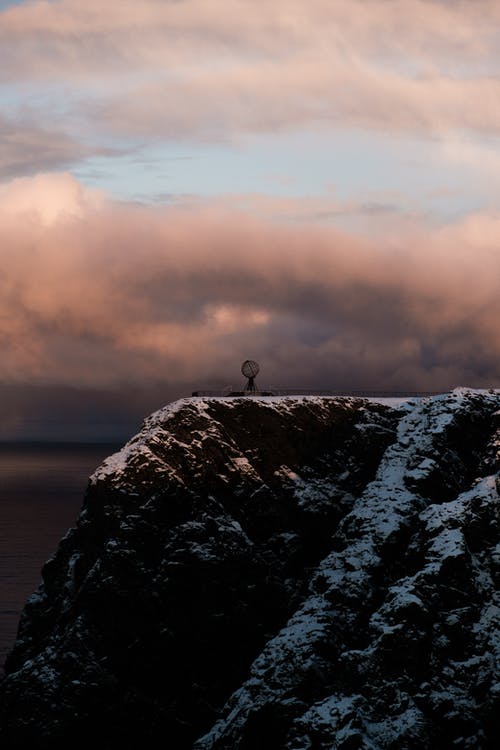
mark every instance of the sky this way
{"type": "Point", "coordinates": [185, 184]}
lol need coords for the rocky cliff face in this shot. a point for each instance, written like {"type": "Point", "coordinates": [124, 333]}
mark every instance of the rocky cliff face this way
{"type": "Point", "coordinates": [296, 573]}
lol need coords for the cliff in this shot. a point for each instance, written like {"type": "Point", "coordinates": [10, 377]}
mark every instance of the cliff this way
{"type": "Point", "coordinates": [296, 573]}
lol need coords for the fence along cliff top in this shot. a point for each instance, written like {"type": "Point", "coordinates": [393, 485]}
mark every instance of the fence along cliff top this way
{"type": "Point", "coordinates": [250, 369]}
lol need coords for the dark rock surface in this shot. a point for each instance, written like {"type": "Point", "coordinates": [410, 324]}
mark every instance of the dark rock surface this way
{"type": "Point", "coordinates": [296, 573]}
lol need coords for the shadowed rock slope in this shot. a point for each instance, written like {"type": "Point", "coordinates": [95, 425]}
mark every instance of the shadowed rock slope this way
{"type": "Point", "coordinates": [296, 573]}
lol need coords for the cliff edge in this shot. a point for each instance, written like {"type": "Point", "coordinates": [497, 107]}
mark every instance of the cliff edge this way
{"type": "Point", "coordinates": [299, 573]}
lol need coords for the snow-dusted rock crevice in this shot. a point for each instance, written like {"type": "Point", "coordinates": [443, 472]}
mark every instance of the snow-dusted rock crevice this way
{"type": "Point", "coordinates": [298, 573]}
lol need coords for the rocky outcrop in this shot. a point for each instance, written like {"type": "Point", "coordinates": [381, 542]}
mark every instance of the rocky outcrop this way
{"type": "Point", "coordinates": [296, 573]}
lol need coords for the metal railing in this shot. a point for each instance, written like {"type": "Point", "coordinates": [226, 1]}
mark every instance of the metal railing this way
{"type": "Point", "coordinates": [228, 392]}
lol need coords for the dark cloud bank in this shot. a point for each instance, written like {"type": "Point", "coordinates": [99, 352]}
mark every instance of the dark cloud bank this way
{"type": "Point", "coordinates": [107, 311]}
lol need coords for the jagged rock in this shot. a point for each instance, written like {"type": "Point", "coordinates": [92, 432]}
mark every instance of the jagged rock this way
{"type": "Point", "coordinates": [295, 573]}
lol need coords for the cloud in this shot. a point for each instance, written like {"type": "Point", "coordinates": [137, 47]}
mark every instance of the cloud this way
{"type": "Point", "coordinates": [27, 147]}
{"type": "Point", "coordinates": [274, 96]}
{"type": "Point", "coordinates": [46, 199]}
{"type": "Point", "coordinates": [305, 208]}
{"type": "Point", "coordinates": [155, 31]}
{"type": "Point", "coordinates": [65, 413]}
{"type": "Point", "coordinates": [99, 294]}
{"type": "Point", "coordinates": [217, 69]}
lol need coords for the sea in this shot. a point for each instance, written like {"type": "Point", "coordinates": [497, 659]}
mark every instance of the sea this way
{"type": "Point", "coordinates": [41, 492]}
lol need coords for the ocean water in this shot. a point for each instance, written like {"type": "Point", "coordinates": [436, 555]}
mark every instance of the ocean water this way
{"type": "Point", "coordinates": [41, 492]}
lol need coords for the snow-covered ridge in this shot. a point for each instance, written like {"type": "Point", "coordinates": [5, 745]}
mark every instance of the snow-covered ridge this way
{"type": "Point", "coordinates": [198, 410]}
{"type": "Point", "coordinates": [156, 425]}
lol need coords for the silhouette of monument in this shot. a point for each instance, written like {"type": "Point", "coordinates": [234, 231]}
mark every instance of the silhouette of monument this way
{"type": "Point", "coordinates": [250, 369]}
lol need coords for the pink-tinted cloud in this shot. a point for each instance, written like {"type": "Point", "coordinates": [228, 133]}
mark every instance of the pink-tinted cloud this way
{"type": "Point", "coordinates": [217, 68]}
{"type": "Point", "coordinates": [156, 31]}
{"type": "Point", "coordinates": [96, 293]}
{"type": "Point", "coordinates": [27, 147]}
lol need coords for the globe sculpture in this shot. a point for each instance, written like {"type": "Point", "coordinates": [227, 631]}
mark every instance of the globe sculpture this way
{"type": "Point", "coordinates": [250, 369]}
